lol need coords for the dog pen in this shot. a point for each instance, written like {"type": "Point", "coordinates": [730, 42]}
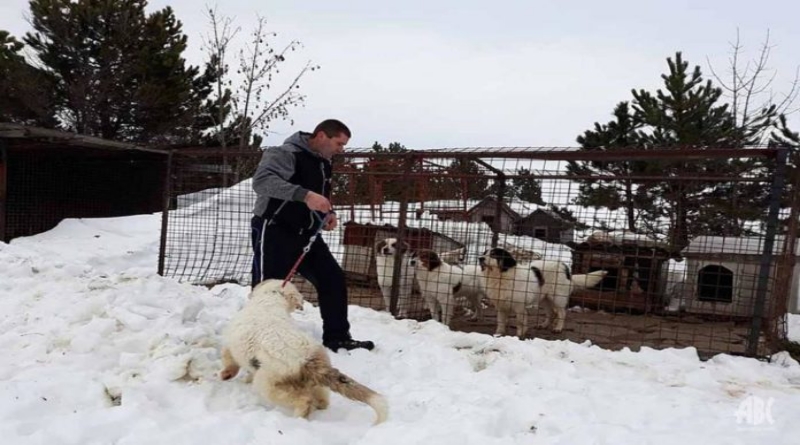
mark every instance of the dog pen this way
{"type": "Point", "coordinates": [698, 245]}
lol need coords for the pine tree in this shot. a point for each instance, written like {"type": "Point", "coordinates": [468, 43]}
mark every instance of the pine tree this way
{"type": "Point", "coordinates": [392, 187]}
{"type": "Point", "coordinates": [621, 133]}
{"type": "Point", "coordinates": [468, 180]}
{"type": "Point", "coordinates": [785, 137]}
{"type": "Point", "coordinates": [25, 92]}
{"type": "Point", "coordinates": [526, 187]}
{"type": "Point", "coordinates": [118, 72]}
{"type": "Point", "coordinates": [689, 114]}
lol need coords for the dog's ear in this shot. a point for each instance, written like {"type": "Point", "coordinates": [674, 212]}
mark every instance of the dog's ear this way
{"type": "Point", "coordinates": [429, 259]}
{"type": "Point", "coordinates": [405, 247]}
{"type": "Point", "coordinates": [380, 245]}
{"type": "Point", "coordinates": [504, 259]}
{"type": "Point", "coordinates": [433, 260]}
{"type": "Point", "coordinates": [293, 296]}
{"type": "Point", "coordinates": [265, 287]}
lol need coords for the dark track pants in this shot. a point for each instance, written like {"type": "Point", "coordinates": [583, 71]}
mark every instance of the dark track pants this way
{"type": "Point", "coordinates": [276, 249]}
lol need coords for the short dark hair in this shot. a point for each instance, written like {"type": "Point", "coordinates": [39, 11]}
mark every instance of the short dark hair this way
{"type": "Point", "coordinates": [332, 128]}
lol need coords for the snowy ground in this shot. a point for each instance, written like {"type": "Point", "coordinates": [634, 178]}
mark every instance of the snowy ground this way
{"type": "Point", "coordinates": [95, 348]}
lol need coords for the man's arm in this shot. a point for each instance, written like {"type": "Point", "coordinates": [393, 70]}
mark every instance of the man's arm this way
{"type": "Point", "coordinates": [273, 173]}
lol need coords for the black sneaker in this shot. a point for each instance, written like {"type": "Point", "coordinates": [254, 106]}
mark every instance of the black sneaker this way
{"type": "Point", "coordinates": [348, 344]}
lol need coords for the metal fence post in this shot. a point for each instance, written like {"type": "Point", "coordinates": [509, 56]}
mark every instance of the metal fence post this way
{"type": "Point", "coordinates": [776, 191]}
{"type": "Point", "coordinates": [498, 210]}
{"type": "Point", "coordinates": [162, 248]}
{"type": "Point", "coordinates": [3, 190]}
{"type": "Point", "coordinates": [401, 229]}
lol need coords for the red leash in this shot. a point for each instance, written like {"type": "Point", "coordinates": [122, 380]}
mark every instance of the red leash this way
{"type": "Point", "coordinates": [311, 240]}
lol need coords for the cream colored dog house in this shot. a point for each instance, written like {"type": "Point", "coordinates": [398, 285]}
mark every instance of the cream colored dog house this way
{"type": "Point", "coordinates": [722, 276]}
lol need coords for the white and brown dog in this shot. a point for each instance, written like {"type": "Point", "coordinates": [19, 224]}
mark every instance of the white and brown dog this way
{"type": "Point", "coordinates": [384, 264]}
{"type": "Point", "coordinates": [443, 285]}
{"type": "Point", "coordinates": [541, 283]}
{"type": "Point", "coordinates": [288, 368]}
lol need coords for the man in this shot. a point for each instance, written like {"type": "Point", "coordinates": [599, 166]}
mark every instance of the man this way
{"type": "Point", "coordinates": [291, 183]}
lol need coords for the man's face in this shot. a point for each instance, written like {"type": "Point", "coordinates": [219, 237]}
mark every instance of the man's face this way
{"type": "Point", "coordinates": [328, 147]}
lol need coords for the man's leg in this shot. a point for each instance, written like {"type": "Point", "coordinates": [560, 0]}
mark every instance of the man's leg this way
{"type": "Point", "coordinates": [324, 273]}
{"type": "Point", "coordinates": [256, 229]}
{"type": "Point", "coordinates": [321, 269]}
{"type": "Point", "coordinates": [275, 253]}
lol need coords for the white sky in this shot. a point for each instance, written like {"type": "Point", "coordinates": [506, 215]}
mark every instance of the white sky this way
{"type": "Point", "coordinates": [472, 73]}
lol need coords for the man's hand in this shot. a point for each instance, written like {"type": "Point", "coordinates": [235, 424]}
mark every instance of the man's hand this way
{"type": "Point", "coordinates": [331, 222]}
{"type": "Point", "coordinates": [317, 202]}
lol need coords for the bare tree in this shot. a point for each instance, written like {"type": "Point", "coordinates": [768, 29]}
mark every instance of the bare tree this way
{"type": "Point", "coordinates": [217, 45]}
{"type": "Point", "coordinates": [754, 104]}
{"type": "Point", "coordinates": [257, 98]}
{"type": "Point", "coordinates": [259, 64]}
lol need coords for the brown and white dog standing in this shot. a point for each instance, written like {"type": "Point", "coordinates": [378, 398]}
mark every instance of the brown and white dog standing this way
{"type": "Point", "coordinates": [384, 264]}
{"type": "Point", "coordinates": [541, 283]}
{"type": "Point", "coordinates": [442, 285]}
{"type": "Point", "coordinates": [288, 368]}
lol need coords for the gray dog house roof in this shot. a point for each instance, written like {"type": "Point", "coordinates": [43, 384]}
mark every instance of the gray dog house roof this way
{"type": "Point", "coordinates": [733, 245]}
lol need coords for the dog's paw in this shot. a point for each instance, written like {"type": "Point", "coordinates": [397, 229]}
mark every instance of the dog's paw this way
{"type": "Point", "coordinates": [228, 373]}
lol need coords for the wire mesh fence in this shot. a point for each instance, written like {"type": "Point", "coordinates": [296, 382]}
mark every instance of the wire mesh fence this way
{"type": "Point", "coordinates": [43, 183]}
{"type": "Point", "coordinates": [630, 248]}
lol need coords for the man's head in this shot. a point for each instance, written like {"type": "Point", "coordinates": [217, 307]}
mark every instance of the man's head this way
{"type": "Point", "coordinates": [329, 138]}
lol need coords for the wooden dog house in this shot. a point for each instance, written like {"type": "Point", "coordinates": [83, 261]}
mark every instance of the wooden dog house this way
{"type": "Point", "coordinates": [634, 279]}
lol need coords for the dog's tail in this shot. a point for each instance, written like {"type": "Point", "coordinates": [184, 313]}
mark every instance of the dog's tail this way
{"type": "Point", "coordinates": [588, 280]}
{"type": "Point", "coordinates": [322, 373]}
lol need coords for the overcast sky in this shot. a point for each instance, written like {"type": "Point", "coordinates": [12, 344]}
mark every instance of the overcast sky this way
{"type": "Point", "coordinates": [466, 73]}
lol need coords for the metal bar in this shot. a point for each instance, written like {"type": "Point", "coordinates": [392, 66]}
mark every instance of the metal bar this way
{"type": "Point", "coordinates": [498, 210]}
{"type": "Point", "coordinates": [3, 190]}
{"type": "Point", "coordinates": [562, 154]}
{"type": "Point", "coordinates": [162, 247]}
{"type": "Point", "coordinates": [639, 178]}
{"type": "Point", "coordinates": [767, 254]}
{"type": "Point", "coordinates": [401, 228]}
{"type": "Point", "coordinates": [541, 153]}
{"type": "Point", "coordinates": [788, 300]}
{"type": "Point", "coordinates": [501, 191]}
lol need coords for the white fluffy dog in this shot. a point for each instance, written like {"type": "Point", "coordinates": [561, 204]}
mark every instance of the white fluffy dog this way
{"type": "Point", "coordinates": [510, 288]}
{"type": "Point", "coordinates": [442, 285]}
{"type": "Point", "coordinates": [288, 367]}
{"type": "Point", "coordinates": [517, 288]}
{"type": "Point", "coordinates": [559, 283]}
{"type": "Point", "coordinates": [384, 263]}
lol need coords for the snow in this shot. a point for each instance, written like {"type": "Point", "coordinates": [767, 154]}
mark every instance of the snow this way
{"type": "Point", "coordinates": [98, 349]}
{"type": "Point", "coordinates": [734, 245]}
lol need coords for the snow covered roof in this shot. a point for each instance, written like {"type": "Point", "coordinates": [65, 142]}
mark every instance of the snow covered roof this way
{"type": "Point", "coordinates": [733, 245]}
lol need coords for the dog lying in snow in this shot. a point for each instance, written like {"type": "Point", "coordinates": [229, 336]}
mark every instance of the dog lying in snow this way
{"type": "Point", "coordinates": [288, 368]}
{"type": "Point", "coordinates": [541, 283]}
{"type": "Point", "coordinates": [442, 285]}
{"type": "Point", "coordinates": [384, 263]}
